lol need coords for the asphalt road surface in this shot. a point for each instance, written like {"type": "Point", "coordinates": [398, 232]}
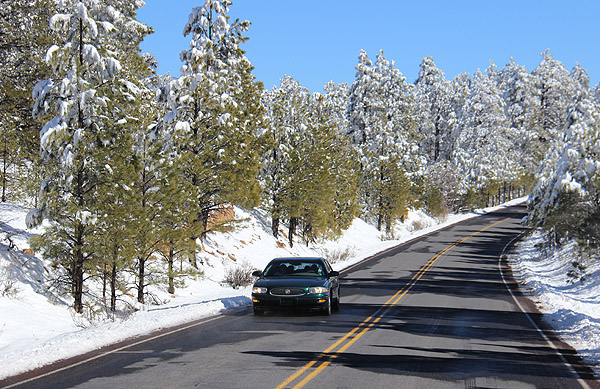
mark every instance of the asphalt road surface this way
{"type": "Point", "coordinates": [432, 313]}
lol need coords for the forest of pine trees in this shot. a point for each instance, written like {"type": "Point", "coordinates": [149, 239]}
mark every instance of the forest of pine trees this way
{"type": "Point", "coordinates": [127, 165]}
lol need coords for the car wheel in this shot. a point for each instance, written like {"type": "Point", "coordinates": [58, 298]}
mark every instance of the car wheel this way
{"type": "Point", "coordinates": [336, 301]}
{"type": "Point", "coordinates": [258, 311]}
{"type": "Point", "coordinates": [327, 308]}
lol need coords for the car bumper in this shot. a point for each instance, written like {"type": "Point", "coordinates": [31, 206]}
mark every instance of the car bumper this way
{"type": "Point", "coordinates": [266, 302]}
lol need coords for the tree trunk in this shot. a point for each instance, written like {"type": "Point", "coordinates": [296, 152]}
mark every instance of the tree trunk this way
{"type": "Point", "coordinates": [4, 171]}
{"type": "Point", "coordinates": [275, 226]}
{"type": "Point", "coordinates": [171, 288]}
{"type": "Point", "coordinates": [141, 279]}
{"type": "Point", "coordinates": [104, 281]}
{"type": "Point", "coordinates": [78, 281]}
{"type": "Point", "coordinates": [113, 288]}
{"type": "Point", "coordinates": [204, 214]}
{"type": "Point", "coordinates": [192, 253]}
{"type": "Point", "coordinates": [292, 230]}
{"type": "Point", "coordinates": [436, 147]}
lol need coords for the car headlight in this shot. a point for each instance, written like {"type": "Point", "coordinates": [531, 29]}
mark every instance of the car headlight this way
{"type": "Point", "coordinates": [259, 290]}
{"type": "Point", "coordinates": [317, 290]}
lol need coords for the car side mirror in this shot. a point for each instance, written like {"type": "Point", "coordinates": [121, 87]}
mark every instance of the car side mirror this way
{"type": "Point", "coordinates": [334, 273]}
{"type": "Point", "coordinates": [257, 273]}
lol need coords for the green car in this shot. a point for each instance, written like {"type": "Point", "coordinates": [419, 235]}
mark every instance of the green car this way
{"type": "Point", "coordinates": [296, 283]}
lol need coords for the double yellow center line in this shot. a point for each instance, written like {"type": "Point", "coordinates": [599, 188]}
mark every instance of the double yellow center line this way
{"type": "Point", "coordinates": [325, 358]}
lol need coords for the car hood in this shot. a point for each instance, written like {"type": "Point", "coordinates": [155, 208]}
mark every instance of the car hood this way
{"type": "Point", "coordinates": [299, 282]}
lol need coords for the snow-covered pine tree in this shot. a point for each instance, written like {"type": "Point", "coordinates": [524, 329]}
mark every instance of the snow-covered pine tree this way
{"type": "Point", "coordinates": [581, 79]}
{"type": "Point", "coordinates": [333, 106]}
{"type": "Point", "coordinates": [596, 92]}
{"type": "Point", "coordinates": [361, 92]}
{"type": "Point", "coordinates": [555, 88]}
{"type": "Point", "coordinates": [330, 174]}
{"type": "Point", "coordinates": [567, 197]}
{"type": "Point", "coordinates": [215, 113]}
{"type": "Point", "coordinates": [307, 170]}
{"type": "Point", "coordinates": [461, 88]}
{"type": "Point", "coordinates": [484, 147]}
{"type": "Point", "coordinates": [521, 105]}
{"type": "Point", "coordinates": [133, 156]}
{"type": "Point", "coordinates": [24, 40]}
{"type": "Point", "coordinates": [382, 125]}
{"type": "Point", "coordinates": [290, 122]}
{"type": "Point", "coordinates": [437, 104]}
{"type": "Point", "coordinates": [74, 141]}
{"type": "Point", "coordinates": [436, 116]}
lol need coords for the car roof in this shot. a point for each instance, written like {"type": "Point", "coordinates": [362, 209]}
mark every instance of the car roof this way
{"type": "Point", "coordinates": [307, 259]}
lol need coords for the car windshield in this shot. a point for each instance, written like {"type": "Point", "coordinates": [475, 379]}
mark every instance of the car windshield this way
{"type": "Point", "coordinates": [294, 269]}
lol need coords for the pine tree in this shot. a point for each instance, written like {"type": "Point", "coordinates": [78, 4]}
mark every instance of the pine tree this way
{"type": "Point", "coordinates": [436, 116]}
{"type": "Point", "coordinates": [483, 151]}
{"type": "Point", "coordinates": [307, 170]}
{"type": "Point", "coordinates": [522, 101]}
{"type": "Point", "coordinates": [112, 238]}
{"type": "Point", "coordinates": [215, 113]}
{"type": "Point", "coordinates": [328, 177]}
{"type": "Point", "coordinates": [555, 89]}
{"type": "Point", "coordinates": [75, 140]}
{"type": "Point", "coordinates": [284, 167]}
{"type": "Point", "coordinates": [344, 168]}
{"type": "Point", "coordinates": [567, 197]}
{"type": "Point", "coordinates": [137, 159]}
{"type": "Point", "coordinates": [581, 79]}
{"type": "Point", "coordinates": [174, 225]}
{"type": "Point", "coordinates": [24, 40]}
{"type": "Point", "coordinates": [382, 126]}
{"type": "Point", "coordinates": [596, 92]}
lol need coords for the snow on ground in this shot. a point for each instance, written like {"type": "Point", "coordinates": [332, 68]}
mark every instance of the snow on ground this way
{"type": "Point", "coordinates": [572, 307]}
{"type": "Point", "coordinates": [37, 327]}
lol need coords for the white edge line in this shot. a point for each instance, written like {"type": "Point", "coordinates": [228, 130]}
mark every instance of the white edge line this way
{"type": "Point", "coordinates": [580, 380]}
{"type": "Point", "coordinates": [113, 351]}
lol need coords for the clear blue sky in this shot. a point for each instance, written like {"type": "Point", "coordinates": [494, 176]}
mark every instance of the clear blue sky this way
{"type": "Point", "coordinates": [316, 41]}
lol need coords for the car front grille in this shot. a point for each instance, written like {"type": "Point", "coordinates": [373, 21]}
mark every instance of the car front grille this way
{"type": "Point", "coordinates": [287, 292]}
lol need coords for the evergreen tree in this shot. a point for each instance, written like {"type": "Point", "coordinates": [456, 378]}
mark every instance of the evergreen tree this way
{"type": "Point", "coordinates": [24, 40]}
{"type": "Point", "coordinates": [596, 92]}
{"type": "Point", "coordinates": [345, 166]}
{"type": "Point", "coordinates": [75, 140]}
{"type": "Point", "coordinates": [555, 89]}
{"type": "Point", "coordinates": [284, 165]}
{"type": "Point", "coordinates": [483, 151]}
{"type": "Point", "coordinates": [382, 126]}
{"type": "Point", "coordinates": [112, 237]}
{"type": "Point", "coordinates": [581, 79]}
{"type": "Point", "coordinates": [174, 225]}
{"type": "Point", "coordinates": [136, 155]}
{"type": "Point", "coordinates": [567, 197]}
{"type": "Point", "coordinates": [329, 173]}
{"type": "Point", "coordinates": [307, 170]}
{"type": "Point", "coordinates": [521, 106]}
{"type": "Point", "coordinates": [215, 113]}
{"type": "Point", "coordinates": [436, 116]}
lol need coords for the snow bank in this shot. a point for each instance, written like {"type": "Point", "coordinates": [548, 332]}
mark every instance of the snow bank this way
{"type": "Point", "coordinates": [570, 306]}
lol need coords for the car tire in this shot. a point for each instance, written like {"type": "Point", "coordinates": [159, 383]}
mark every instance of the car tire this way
{"type": "Point", "coordinates": [328, 308]}
{"type": "Point", "coordinates": [258, 311]}
{"type": "Point", "coordinates": [336, 301]}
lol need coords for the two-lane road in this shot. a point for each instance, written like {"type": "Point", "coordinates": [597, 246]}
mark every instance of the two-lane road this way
{"type": "Point", "coordinates": [434, 312]}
